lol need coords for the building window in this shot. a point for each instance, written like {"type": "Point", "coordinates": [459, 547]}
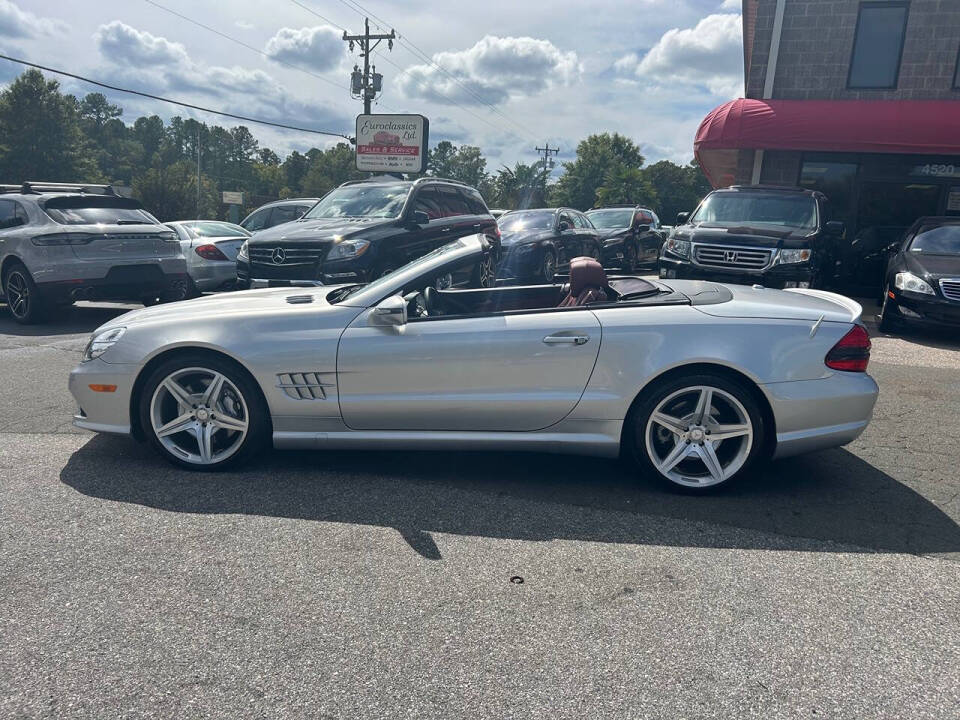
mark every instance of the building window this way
{"type": "Point", "coordinates": [878, 45]}
{"type": "Point", "coordinates": [956, 74]}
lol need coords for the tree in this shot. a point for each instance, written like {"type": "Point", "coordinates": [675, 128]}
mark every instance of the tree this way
{"type": "Point", "coordinates": [624, 185]}
{"type": "Point", "coordinates": [523, 186]}
{"type": "Point", "coordinates": [679, 188]}
{"type": "Point", "coordinates": [170, 192]}
{"type": "Point", "coordinates": [41, 137]}
{"type": "Point", "coordinates": [596, 157]}
{"type": "Point", "coordinates": [330, 168]}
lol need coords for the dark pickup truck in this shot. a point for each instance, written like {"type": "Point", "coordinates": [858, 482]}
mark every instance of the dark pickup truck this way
{"type": "Point", "coordinates": [773, 236]}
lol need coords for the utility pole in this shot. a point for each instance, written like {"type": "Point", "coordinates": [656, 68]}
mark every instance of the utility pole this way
{"type": "Point", "coordinates": [198, 171]}
{"type": "Point", "coordinates": [366, 85]}
{"type": "Point", "coordinates": [547, 151]}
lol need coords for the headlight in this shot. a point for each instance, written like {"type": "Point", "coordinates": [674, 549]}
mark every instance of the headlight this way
{"type": "Point", "coordinates": [101, 342]}
{"type": "Point", "coordinates": [678, 247]}
{"type": "Point", "coordinates": [911, 283]}
{"type": "Point", "coordinates": [242, 253]}
{"type": "Point", "coordinates": [348, 249]}
{"type": "Point", "coordinates": [795, 256]}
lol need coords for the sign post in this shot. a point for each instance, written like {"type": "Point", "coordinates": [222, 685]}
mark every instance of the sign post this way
{"type": "Point", "coordinates": [235, 201]}
{"type": "Point", "coordinates": [392, 143]}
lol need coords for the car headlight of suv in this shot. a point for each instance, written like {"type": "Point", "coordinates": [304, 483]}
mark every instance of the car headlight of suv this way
{"type": "Point", "coordinates": [345, 249]}
{"type": "Point", "coordinates": [789, 257]}
{"type": "Point", "coordinates": [101, 342]}
{"type": "Point", "coordinates": [675, 246]}
{"type": "Point", "coordinates": [242, 253]}
{"type": "Point", "coordinates": [911, 283]}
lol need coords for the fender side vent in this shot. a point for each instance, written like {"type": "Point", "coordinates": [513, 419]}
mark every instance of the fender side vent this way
{"type": "Point", "coordinates": [303, 385]}
{"type": "Point", "coordinates": [299, 299]}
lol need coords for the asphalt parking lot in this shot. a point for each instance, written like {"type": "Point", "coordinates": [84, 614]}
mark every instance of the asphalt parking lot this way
{"type": "Point", "coordinates": [339, 585]}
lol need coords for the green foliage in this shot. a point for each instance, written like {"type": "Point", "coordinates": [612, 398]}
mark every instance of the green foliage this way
{"type": "Point", "coordinates": [46, 135]}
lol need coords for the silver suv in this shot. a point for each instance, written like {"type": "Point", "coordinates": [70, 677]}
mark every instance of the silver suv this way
{"type": "Point", "coordinates": [60, 243]}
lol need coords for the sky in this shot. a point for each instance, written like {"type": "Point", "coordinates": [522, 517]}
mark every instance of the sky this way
{"type": "Point", "coordinates": [501, 74]}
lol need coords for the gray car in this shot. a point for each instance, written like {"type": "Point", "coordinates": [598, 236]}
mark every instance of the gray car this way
{"type": "Point", "coordinates": [277, 213]}
{"type": "Point", "coordinates": [694, 381]}
{"type": "Point", "coordinates": [210, 248]}
{"type": "Point", "coordinates": [60, 243]}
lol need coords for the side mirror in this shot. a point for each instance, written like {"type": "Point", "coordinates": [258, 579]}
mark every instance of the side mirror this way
{"type": "Point", "coordinates": [835, 228]}
{"type": "Point", "coordinates": [643, 228]}
{"type": "Point", "coordinates": [564, 225]}
{"type": "Point", "coordinates": [682, 218]}
{"type": "Point", "coordinates": [390, 312]}
{"type": "Point", "coordinates": [893, 247]}
{"type": "Point", "coordinates": [419, 217]}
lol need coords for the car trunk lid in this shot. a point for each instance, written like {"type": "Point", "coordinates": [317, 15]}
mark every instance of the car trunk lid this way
{"type": "Point", "coordinates": [792, 304]}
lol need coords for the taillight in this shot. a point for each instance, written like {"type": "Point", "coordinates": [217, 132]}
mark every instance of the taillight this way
{"type": "Point", "coordinates": [63, 239]}
{"type": "Point", "coordinates": [852, 352]}
{"type": "Point", "coordinates": [210, 252]}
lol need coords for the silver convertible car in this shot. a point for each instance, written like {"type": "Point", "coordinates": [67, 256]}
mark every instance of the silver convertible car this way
{"type": "Point", "coordinates": [693, 381]}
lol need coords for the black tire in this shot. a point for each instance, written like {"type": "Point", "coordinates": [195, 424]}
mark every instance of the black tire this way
{"type": "Point", "coordinates": [150, 300]}
{"type": "Point", "coordinates": [258, 415]}
{"type": "Point", "coordinates": [887, 324]}
{"type": "Point", "coordinates": [548, 266]}
{"type": "Point", "coordinates": [23, 299]}
{"type": "Point", "coordinates": [484, 273]}
{"type": "Point", "coordinates": [630, 256]}
{"type": "Point", "coordinates": [635, 432]}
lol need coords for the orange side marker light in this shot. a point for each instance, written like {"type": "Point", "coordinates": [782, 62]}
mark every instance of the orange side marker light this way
{"type": "Point", "coordinates": [103, 388]}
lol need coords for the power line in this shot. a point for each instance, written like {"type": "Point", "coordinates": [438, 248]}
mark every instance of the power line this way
{"type": "Point", "coordinates": [171, 101]}
{"type": "Point", "coordinates": [243, 44]}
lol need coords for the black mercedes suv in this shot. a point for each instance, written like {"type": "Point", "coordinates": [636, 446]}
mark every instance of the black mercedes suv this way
{"type": "Point", "coordinates": [364, 229]}
{"type": "Point", "coordinates": [773, 236]}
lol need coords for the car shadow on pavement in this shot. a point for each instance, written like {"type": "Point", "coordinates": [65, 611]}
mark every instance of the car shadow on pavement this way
{"type": "Point", "coordinates": [69, 320]}
{"type": "Point", "coordinates": [794, 504]}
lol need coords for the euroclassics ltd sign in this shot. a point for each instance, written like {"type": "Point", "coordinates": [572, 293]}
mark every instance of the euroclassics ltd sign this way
{"type": "Point", "coordinates": [392, 143]}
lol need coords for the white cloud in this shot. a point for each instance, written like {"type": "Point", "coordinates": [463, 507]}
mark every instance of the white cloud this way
{"type": "Point", "coordinates": [320, 48]}
{"type": "Point", "coordinates": [494, 69]}
{"type": "Point", "coordinates": [708, 55]}
{"type": "Point", "coordinates": [18, 23]}
{"type": "Point", "coordinates": [735, 5]}
{"type": "Point", "coordinates": [124, 44]}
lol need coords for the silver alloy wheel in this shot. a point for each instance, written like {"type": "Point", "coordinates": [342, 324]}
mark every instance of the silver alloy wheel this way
{"type": "Point", "coordinates": [549, 266]}
{"type": "Point", "coordinates": [486, 271]}
{"type": "Point", "coordinates": [199, 415]}
{"type": "Point", "coordinates": [18, 294]}
{"type": "Point", "coordinates": [699, 436]}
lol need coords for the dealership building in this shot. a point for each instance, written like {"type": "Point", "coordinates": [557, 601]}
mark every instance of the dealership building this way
{"type": "Point", "coordinates": [855, 98]}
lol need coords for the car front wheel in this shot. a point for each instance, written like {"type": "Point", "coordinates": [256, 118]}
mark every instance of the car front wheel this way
{"type": "Point", "coordinates": [698, 432]}
{"type": "Point", "coordinates": [202, 412]}
{"type": "Point", "coordinates": [887, 324]}
{"type": "Point", "coordinates": [548, 266]}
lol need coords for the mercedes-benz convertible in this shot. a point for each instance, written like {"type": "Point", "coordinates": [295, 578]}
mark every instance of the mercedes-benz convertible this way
{"type": "Point", "coordinates": [695, 382]}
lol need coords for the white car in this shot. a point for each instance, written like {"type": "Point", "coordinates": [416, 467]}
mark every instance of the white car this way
{"type": "Point", "coordinates": [210, 248]}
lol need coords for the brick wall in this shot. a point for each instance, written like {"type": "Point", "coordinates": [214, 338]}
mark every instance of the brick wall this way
{"type": "Point", "coordinates": [817, 43]}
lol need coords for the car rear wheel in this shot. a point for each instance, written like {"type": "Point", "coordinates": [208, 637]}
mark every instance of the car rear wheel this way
{"type": "Point", "coordinates": [548, 266]}
{"type": "Point", "coordinates": [698, 432]}
{"type": "Point", "coordinates": [629, 256]}
{"type": "Point", "coordinates": [23, 299]}
{"type": "Point", "coordinates": [203, 413]}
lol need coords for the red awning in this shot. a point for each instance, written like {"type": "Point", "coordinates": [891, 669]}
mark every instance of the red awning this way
{"type": "Point", "coordinates": [920, 127]}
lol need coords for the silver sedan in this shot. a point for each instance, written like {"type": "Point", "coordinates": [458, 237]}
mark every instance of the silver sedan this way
{"type": "Point", "coordinates": [695, 382]}
{"type": "Point", "coordinates": [210, 247]}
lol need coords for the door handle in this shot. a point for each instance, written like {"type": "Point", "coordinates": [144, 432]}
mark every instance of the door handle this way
{"type": "Point", "coordinates": [566, 339]}
{"type": "Point", "coordinates": [447, 229]}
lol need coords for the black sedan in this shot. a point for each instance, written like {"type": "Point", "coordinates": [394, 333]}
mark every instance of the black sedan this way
{"type": "Point", "coordinates": [535, 244]}
{"type": "Point", "coordinates": [629, 236]}
{"type": "Point", "coordinates": [923, 276]}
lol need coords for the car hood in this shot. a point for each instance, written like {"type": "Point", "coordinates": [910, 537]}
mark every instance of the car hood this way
{"type": "Point", "coordinates": [227, 305]}
{"type": "Point", "coordinates": [744, 235]}
{"type": "Point", "coordinates": [308, 229]}
{"type": "Point", "coordinates": [607, 233]}
{"type": "Point", "coordinates": [932, 266]}
{"type": "Point", "coordinates": [521, 237]}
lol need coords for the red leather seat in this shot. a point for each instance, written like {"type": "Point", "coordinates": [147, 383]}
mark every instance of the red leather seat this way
{"type": "Point", "coordinates": [587, 283]}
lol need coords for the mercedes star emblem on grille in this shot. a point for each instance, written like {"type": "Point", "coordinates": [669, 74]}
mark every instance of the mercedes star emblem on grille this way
{"type": "Point", "coordinates": [279, 255]}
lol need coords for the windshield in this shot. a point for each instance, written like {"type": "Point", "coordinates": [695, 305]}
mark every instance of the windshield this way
{"type": "Point", "coordinates": [373, 201]}
{"type": "Point", "coordinates": [611, 218]}
{"type": "Point", "coordinates": [98, 215]}
{"type": "Point", "coordinates": [214, 229]}
{"type": "Point", "coordinates": [527, 220]}
{"type": "Point", "coordinates": [774, 209]}
{"type": "Point", "coordinates": [943, 240]}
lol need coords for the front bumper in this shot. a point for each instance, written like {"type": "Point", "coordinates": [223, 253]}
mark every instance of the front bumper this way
{"type": "Point", "coordinates": [260, 275]}
{"type": "Point", "coordinates": [107, 412]}
{"type": "Point", "coordinates": [923, 310]}
{"type": "Point", "coordinates": [214, 275]}
{"type": "Point", "coordinates": [823, 413]}
{"type": "Point", "coordinates": [775, 276]}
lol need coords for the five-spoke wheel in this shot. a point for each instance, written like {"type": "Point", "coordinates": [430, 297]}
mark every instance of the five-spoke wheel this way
{"type": "Point", "coordinates": [201, 415]}
{"type": "Point", "coordinates": [698, 432]}
{"type": "Point", "coordinates": [21, 293]}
